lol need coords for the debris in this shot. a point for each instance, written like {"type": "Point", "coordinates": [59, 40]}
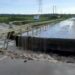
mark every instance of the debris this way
{"type": "Point", "coordinates": [25, 61]}
{"type": "Point", "coordinates": [32, 56]}
{"type": "Point", "coordinates": [1, 52]}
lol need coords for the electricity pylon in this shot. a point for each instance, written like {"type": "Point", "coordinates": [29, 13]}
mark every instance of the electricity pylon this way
{"type": "Point", "coordinates": [54, 7]}
{"type": "Point", "coordinates": [40, 6]}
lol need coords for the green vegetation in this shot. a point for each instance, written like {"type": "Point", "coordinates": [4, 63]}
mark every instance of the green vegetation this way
{"type": "Point", "coordinates": [24, 19]}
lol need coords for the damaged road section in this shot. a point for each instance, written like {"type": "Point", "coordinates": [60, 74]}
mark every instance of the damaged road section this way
{"type": "Point", "coordinates": [33, 56]}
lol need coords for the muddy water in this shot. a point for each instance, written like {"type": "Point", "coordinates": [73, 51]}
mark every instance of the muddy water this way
{"type": "Point", "coordinates": [64, 29]}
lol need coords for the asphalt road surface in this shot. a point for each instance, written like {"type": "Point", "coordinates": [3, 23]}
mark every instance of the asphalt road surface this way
{"type": "Point", "coordinates": [18, 67]}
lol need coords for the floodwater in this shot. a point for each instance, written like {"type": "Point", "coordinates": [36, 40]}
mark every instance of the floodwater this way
{"type": "Point", "coordinates": [64, 29]}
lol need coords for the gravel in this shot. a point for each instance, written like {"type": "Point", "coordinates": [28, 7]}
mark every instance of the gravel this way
{"type": "Point", "coordinates": [34, 56]}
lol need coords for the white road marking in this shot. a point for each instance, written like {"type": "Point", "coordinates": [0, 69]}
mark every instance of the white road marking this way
{"type": "Point", "coordinates": [3, 58]}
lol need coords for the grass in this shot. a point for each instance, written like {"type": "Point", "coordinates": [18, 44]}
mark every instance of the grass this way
{"type": "Point", "coordinates": [24, 19]}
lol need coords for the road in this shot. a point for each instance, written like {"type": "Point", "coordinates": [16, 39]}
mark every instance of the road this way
{"type": "Point", "coordinates": [18, 67]}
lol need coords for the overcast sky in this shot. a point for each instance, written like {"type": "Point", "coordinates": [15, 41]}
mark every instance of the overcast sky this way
{"type": "Point", "coordinates": [31, 6]}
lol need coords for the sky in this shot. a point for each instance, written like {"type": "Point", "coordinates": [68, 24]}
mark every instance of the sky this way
{"type": "Point", "coordinates": [32, 6]}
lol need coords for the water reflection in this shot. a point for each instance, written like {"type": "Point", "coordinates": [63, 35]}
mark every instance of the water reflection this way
{"type": "Point", "coordinates": [64, 29]}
